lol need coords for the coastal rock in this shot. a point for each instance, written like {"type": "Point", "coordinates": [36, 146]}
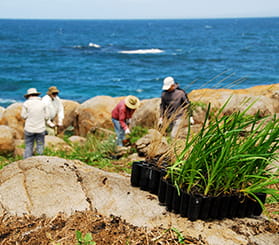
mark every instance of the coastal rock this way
{"type": "Point", "coordinates": [152, 144]}
{"type": "Point", "coordinates": [147, 114]}
{"type": "Point", "coordinates": [19, 147]}
{"type": "Point", "coordinates": [50, 185]}
{"type": "Point", "coordinates": [7, 140]}
{"type": "Point", "coordinates": [12, 118]}
{"type": "Point", "coordinates": [56, 143]}
{"type": "Point", "coordinates": [266, 97]}
{"type": "Point", "coordinates": [77, 140]}
{"type": "Point", "coordinates": [70, 114]}
{"type": "Point", "coordinates": [2, 109]}
{"type": "Point", "coordinates": [95, 112]}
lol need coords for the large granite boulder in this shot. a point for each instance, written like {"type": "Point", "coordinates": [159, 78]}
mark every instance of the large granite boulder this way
{"type": "Point", "coordinates": [12, 118]}
{"type": "Point", "coordinates": [50, 185]}
{"type": "Point", "coordinates": [2, 109]}
{"type": "Point", "coordinates": [266, 98]}
{"type": "Point", "coordinates": [7, 140]}
{"type": "Point", "coordinates": [152, 145]}
{"type": "Point", "coordinates": [147, 114]}
{"type": "Point", "coordinates": [70, 117]}
{"type": "Point", "coordinates": [95, 112]}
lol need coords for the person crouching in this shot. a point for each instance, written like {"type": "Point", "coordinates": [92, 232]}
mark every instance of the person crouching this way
{"type": "Point", "coordinates": [121, 115]}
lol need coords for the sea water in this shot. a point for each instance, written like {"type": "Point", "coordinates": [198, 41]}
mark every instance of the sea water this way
{"type": "Point", "coordinates": [87, 58]}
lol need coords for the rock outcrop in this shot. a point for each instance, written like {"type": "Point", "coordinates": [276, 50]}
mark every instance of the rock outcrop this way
{"type": "Point", "coordinates": [12, 118]}
{"type": "Point", "coordinates": [7, 140]}
{"type": "Point", "coordinates": [95, 112]}
{"type": "Point", "coordinates": [50, 185]}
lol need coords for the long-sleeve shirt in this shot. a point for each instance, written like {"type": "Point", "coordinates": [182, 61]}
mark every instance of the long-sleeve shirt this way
{"type": "Point", "coordinates": [172, 101]}
{"type": "Point", "coordinates": [35, 113]}
{"type": "Point", "coordinates": [121, 113]}
{"type": "Point", "coordinates": [55, 108]}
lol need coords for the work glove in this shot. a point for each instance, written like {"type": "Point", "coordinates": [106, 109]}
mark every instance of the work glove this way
{"type": "Point", "coordinates": [50, 124]}
{"type": "Point", "coordinates": [60, 124]}
{"type": "Point", "coordinates": [160, 122]}
{"type": "Point", "coordinates": [127, 131]}
{"type": "Point", "coordinates": [192, 120]}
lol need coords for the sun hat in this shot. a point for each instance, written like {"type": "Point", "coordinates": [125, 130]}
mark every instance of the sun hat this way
{"type": "Point", "coordinates": [168, 82]}
{"type": "Point", "coordinates": [52, 90]}
{"type": "Point", "coordinates": [31, 91]}
{"type": "Point", "coordinates": [132, 102]}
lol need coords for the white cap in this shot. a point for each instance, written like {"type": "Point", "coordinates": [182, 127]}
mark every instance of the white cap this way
{"type": "Point", "coordinates": [168, 82]}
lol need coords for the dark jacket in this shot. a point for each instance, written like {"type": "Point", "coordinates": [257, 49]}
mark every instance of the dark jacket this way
{"type": "Point", "coordinates": [173, 101]}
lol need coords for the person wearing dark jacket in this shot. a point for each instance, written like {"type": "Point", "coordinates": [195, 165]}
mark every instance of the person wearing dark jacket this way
{"type": "Point", "coordinates": [174, 105]}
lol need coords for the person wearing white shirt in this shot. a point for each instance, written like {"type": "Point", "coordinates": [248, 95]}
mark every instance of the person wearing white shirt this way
{"type": "Point", "coordinates": [35, 113]}
{"type": "Point", "coordinates": [56, 109]}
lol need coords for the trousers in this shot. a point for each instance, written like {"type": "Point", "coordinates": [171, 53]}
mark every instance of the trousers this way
{"type": "Point", "coordinates": [30, 140]}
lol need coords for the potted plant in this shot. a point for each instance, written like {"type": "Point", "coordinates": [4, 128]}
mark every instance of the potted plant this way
{"type": "Point", "coordinates": [230, 158]}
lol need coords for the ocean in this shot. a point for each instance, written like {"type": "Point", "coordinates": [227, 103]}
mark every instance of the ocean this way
{"type": "Point", "coordinates": [87, 58]}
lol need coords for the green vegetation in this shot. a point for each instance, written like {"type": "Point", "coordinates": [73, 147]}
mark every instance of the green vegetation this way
{"type": "Point", "coordinates": [231, 153]}
{"type": "Point", "coordinates": [84, 240]}
{"type": "Point", "coordinates": [5, 160]}
{"type": "Point", "coordinates": [99, 150]}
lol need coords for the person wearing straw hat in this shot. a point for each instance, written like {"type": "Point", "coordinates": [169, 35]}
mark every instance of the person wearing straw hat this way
{"type": "Point", "coordinates": [121, 115]}
{"type": "Point", "coordinates": [174, 104]}
{"type": "Point", "coordinates": [35, 113]}
{"type": "Point", "coordinates": [56, 110]}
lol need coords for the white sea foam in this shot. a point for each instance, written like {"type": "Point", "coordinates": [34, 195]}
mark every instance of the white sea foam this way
{"type": "Point", "coordinates": [94, 45]}
{"type": "Point", "coordinates": [7, 101]}
{"type": "Point", "coordinates": [142, 51]}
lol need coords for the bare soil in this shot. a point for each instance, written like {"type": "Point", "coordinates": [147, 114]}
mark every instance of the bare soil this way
{"type": "Point", "coordinates": [61, 230]}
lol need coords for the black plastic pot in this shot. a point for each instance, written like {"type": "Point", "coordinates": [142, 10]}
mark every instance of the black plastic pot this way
{"type": "Point", "coordinates": [145, 172]}
{"type": "Point", "coordinates": [135, 175]}
{"type": "Point", "coordinates": [215, 207]}
{"type": "Point", "coordinates": [206, 206]}
{"type": "Point", "coordinates": [242, 207]}
{"type": "Point", "coordinates": [257, 207]}
{"type": "Point", "coordinates": [169, 195]}
{"type": "Point", "coordinates": [176, 200]}
{"type": "Point", "coordinates": [233, 208]}
{"type": "Point", "coordinates": [195, 203]}
{"type": "Point", "coordinates": [224, 207]}
{"type": "Point", "coordinates": [162, 188]}
{"type": "Point", "coordinates": [154, 181]}
{"type": "Point", "coordinates": [184, 204]}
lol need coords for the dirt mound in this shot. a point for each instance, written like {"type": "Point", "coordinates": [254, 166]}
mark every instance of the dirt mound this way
{"type": "Point", "coordinates": [61, 230]}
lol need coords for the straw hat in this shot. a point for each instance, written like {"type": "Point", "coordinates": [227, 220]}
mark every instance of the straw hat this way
{"type": "Point", "coordinates": [31, 91]}
{"type": "Point", "coordinates": [132, 102]}
{"type": "Point", "coordinates": [168, 82]}
{"type": "Point", "coordinates": [52, 90]}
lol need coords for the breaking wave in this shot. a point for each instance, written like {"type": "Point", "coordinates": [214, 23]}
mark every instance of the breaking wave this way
{"type": "Point", "coordinates": [142, 51]}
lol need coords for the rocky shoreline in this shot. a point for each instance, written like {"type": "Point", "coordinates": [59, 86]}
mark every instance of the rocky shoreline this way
{"type": "Point", "coordinates": [96, 112]}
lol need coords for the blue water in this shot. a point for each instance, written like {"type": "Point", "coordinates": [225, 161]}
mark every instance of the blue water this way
{"type": "Point", "coordinates": [120, 57]}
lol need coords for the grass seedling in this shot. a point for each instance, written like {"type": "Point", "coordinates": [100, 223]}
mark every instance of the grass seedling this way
{"type": "Point", "coordinates": [84, 240]}
{"type": "Point", "coordinates": [230, 153]}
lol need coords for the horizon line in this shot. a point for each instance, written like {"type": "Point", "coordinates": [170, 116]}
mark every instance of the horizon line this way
{"type": "Point", "coordinates": [121, 19]}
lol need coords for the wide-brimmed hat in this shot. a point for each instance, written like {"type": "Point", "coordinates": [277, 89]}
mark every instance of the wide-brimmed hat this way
{"type": "Point", "coordinates": [132, 102]}
{"type": "Point", "coordinates": [52, 90]}
{"type": "Point", "coordinates": [168, 82]}
{"type": "Point", "coordinates": [31, 91]}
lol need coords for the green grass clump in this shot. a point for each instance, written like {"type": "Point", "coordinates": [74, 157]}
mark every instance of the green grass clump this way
{"type": "Point", "coordinates": [231, 153]}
